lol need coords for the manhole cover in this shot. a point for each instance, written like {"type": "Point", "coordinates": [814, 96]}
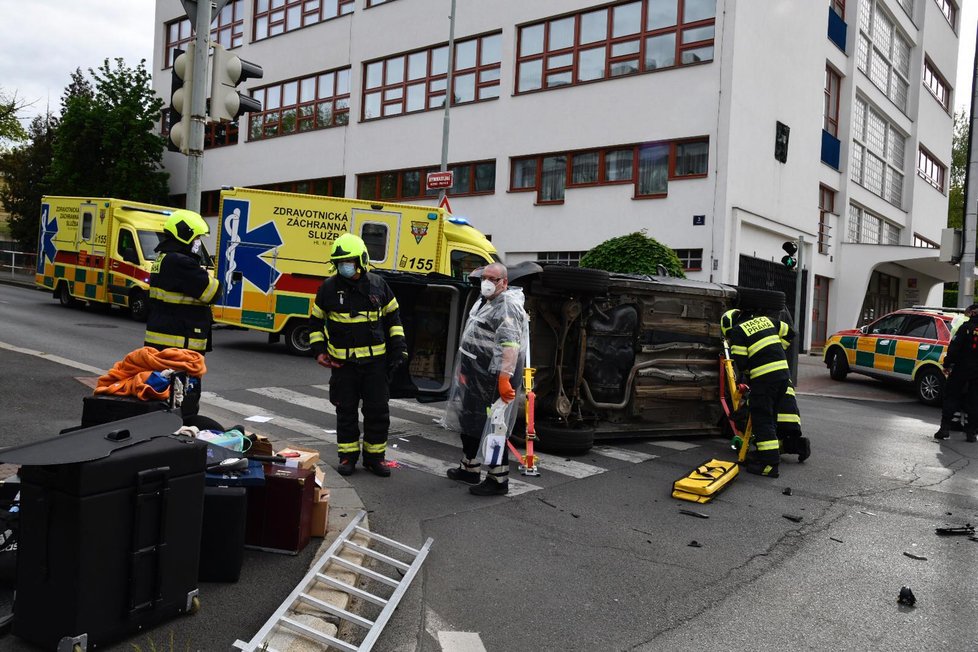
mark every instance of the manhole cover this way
{"type": "Point", "coordinates": [96, 326]}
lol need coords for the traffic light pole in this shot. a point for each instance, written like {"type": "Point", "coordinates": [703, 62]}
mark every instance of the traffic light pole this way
{"type": "Point", "coordinates": [198, 105]}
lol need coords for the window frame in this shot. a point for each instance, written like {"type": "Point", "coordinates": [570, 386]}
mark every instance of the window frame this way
{"type": "Point", "coordinates": [608, 44]}
{"type": "Point", "coordinates": [399, 192]}
{"type": "Point", "coordinates": [688, 256]}
{"type": "Point", "coordinates": [311, 12]}
{"type": "Point", "coordinates": [926, 163]}
{"type": "Point", "coordinates": [830, 118]}
{"type": "Point", "coordinates": [888, 60]}
{"type": "Point", "coordinates": [861, 144]}
{"type": "Point", "coordinates": [950, 12]}
{"type": "Point", "coordinates": [839, 7]}
{"type": "Point", "coordinates": [931, 75]}
{"type": "Point", "coordinates": [220, 26]}
{"type": "Point", "coordinates": [259, 121]}
{"type": "Point", "coordinates": [826, 208]}
{"type": "Point", "coordinates": [333, 186]}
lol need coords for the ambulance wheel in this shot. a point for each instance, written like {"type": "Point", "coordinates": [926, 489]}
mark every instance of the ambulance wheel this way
{"type": "Point", "coordinates": [64, 296]}
{"type": "Point", "coordinates": [297, 337]}
{"type": "Point", "coordinates": [758, 299]}
{"type": "Point", "coordinates": [838, 365]}
{"type": "Point", "coordinates": [562, 440]}
{"type": "Point", "coordinates": [580, 280]}
{"type": "Point", "coordinates": [138, 305]}
{"type": "Point", "coordinates": [930, 386]}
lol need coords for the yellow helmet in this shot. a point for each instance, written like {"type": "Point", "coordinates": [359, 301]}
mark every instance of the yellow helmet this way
{"type": "Point", "coordinates": [347, 247]}
{"type": "Point", "coordinates": [727, 320]}
{"type": "Point", "coordinates": [186, 225]}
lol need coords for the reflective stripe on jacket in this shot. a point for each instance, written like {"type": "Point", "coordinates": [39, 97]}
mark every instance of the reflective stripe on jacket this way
{"type": "Point", "coordinates": [757, 347]}
{"type": "Point", "coordinates": [180, 295]}
{"type": "Point", "coordinates": [356, 319]}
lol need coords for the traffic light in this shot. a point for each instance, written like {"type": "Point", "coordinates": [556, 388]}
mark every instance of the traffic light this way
{"type": "Point", "coordinates": [228, 71]}
{"type": "Point", "coordinates": [181, 86]}
{"type": "Point", "coordinates": [791, 248]}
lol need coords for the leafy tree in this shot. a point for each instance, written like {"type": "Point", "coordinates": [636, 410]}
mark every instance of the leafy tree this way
{"type": "Point", "coordinates": [106, 144]}
{"type": "Point", "coordinates": [24, 169]}
{"type": "Point", "coordinates": [635, 253]}
{"type": "Point", "coordinates": [959, 166]}
{"type": "Point", "coordinates": [10, 127]}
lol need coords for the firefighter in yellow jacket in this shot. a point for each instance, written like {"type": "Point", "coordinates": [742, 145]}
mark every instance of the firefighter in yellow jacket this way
{"type": "Point", "coordinates": [357, 332]}
{"type": "Point", "coordinates": [757, 346]}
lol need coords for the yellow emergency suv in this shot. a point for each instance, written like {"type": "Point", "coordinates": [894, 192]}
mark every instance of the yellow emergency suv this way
{"type": "Point", "coordinates": [98, 250]}
{"type": "Point", "coordinates": [273, 252]}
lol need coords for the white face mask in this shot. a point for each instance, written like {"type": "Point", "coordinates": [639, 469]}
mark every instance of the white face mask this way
{"type": "Point", "coordinates": [487, 288]}
{"type": "Point", "coordinates": [347, 269]}
{"type": "Point", "coordinates": [195, 246]}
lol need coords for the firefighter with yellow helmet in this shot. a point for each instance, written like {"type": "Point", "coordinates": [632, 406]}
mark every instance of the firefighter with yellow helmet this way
{"type": "Point", "coordinates": [181, 290]}
{"type": "Point", "coordinates": [356, 331]}
{"type": "Point", "coordinates": [757, 346]}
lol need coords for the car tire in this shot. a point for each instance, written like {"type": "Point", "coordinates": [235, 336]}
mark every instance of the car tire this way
{"type": "Point", "coordinates": [297, 337]}
{"type": "Point", "coordinates": [575, 279]}
{"type": "Point", "coordinates": [64, 297]}
{"type": "Point", "coordinates": [758, 299]}
{"type": "Point", "coordinates": [930, 385]}
{"type": "Point", "coordinates": [838, 365]}
{"type": "Point", "coordinates": [138, 305]}
{"type": "Point", "coordinates": [563, 440]}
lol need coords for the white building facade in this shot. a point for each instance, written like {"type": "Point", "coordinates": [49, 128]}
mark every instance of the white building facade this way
{"type": "Point", "coordinates": [722, 128]}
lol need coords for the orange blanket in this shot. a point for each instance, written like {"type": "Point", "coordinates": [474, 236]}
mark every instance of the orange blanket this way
{"type": "Point", "coordinates": [128, 376]}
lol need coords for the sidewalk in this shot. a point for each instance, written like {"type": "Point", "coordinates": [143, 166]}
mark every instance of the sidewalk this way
{"type": "Point", "coordinates": [814, 380]}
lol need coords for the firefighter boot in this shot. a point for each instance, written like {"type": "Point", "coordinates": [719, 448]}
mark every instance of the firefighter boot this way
{"type": "Point", "coordinates": [377, 465]}
{"type": "Point", "coordinates": [943, 432]}
{"type": "Point", "coordinates": [467, 472]}
{"type": "Point", "coordinates": [971, 436]}
{"type": "Point", "coordinates": [495, 484]}
{"type": "Point", "coordinates": [759, 467]}
{"type": "Point", "coordinates": [804, 449]}
{"type": "Point", "coordinates": [346, 466]}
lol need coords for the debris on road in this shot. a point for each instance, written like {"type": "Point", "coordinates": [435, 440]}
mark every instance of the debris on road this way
{"type": "Point", "coordinates": [787, 491]}
{"type": "Point", "coordinates": [867, 513]}
{"type": "Point", "coordinates": [694, 544]}
{"type": "Point", "coordinates": [793, 517]}
{"type": "Point", "coordinates": [913, 556]}
{"type": "Point", "coordinates": [689, 512]}
{"type": "Point", "coordinates": [967, 529]}
{"type": "Point", "coordinates": [906, 596]}
{"type": "Point", "coordinates": [836, 540]}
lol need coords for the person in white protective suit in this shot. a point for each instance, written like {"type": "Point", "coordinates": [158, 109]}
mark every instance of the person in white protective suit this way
{"type": "Point", "coordinates": [488, 378]}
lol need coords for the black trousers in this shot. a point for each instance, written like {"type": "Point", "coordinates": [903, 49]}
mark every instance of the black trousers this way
{"type": "Point", "coordinates": [960, 393]}
{"type": "Point", "coordinates": [764, 398]}
{"type": "Point", "coordinates": [348, 386]}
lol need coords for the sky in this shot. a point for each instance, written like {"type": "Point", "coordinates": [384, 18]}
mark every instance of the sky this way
{"type": "Point", "coordinates": [43, 41]}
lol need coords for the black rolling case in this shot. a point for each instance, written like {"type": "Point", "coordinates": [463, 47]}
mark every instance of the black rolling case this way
{"type": "Point", "coordinates": [223, 536]}
{"type": "Point", "coordinates": [101, 408]}
{"type": "Point", "coordinates": [108, 546]}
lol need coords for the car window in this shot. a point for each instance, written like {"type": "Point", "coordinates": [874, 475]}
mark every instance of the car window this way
{"type": "Point", "coordinates": [920, 326]}
{"type": "Point", "coordinates": [889, 325]}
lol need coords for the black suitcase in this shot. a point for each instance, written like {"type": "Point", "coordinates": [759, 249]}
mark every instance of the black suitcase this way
{"type": "Point", "coordinates": [110, 546]}
{"type": "Point", "coordinates": [223, 535]}
{"type": "Point", "coordinates": [102, 408]}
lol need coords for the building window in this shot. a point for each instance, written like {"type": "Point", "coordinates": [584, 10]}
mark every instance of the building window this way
{"type": "Point", "coordinates": [570, 258]}
{"type": "Point", "coordinates": [930, 169]}
{"type": "Point", "coordinates": [417, 81]}
{"type": "Point", "coordinates": [374, 3]}
{"type": "Point", "coordinates": [316, 102]}
{"type": "Point", "coordinates": [622, 39]}
{"type": "Point", "coordinates": [839, 7]}
{"type": "Point", "coordinates": [866, 228]}
{"type": "Point", "coordinates": [216, 134]}
{"type": "Point", "coordinates": [227, 29]}
{"type": "Point", "coordinates": [279, 16]}
{"type": "Point", "coordinates": [826, 210]}
{"type": "Point", "coordinates": [655, 164]}
{"type": "Point", "coordinates": [882, 296]}
{"type": "Point", "coordinates": [878, 157]}
{"type": "Point", "coordinates": [833, 82]}
{"type": "Point", "coordinates": [692, 259]}
{"type": "Point", "coordinates": [950, 11]}
{"type": "Point", "coordinates": [921, 241]}
{"type": "Point", "coordinates": [935, 83]}
{"type": "Point", "coordinates": [883, 53]}
{"type": "Point", "coordinates": [325, 186]}
{"type": "Point", "coordinates": [907, 7]}
{"type": "Point", "coordinates": [478, 178]}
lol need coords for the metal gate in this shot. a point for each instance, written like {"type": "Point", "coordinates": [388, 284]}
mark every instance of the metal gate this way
{"type": "Point", "coordinates": [767, 275]}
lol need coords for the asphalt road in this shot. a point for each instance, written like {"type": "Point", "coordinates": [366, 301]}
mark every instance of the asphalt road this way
{"type": "Point", "coordinates": [594, 554]}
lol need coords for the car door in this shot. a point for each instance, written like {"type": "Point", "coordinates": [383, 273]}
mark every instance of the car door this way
{"type": "Point", "coordinates": [916, 342]}
{"type": "Point", "coordinates": [876, 347]}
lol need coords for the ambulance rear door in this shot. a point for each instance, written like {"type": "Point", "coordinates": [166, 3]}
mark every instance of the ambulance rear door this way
{"type": "Point", "coordinates": [380, 230]}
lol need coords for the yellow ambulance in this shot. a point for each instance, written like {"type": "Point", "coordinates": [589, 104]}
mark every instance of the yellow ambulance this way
{"type": "Point", "coordinates": [273, 252]}
{"type": "Point", "coordinates": [98, 250]}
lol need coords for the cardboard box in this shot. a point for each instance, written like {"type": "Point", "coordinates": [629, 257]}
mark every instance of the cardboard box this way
{"type": "Point", "coordinates": [259, 445]}
{"type": "Point", "coordinates": [320, 513]}
{"type": "Point", "coordinates": [306, 458]}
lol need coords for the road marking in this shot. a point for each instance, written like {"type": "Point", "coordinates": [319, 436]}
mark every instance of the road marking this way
{"type": "Point", "coordinates": [414, 406]}
{"type": "Point", "coordinates": [246, 409]}
{"type": "Point", "coordinates": [460, 642]}
{"type": "Point", "coordinates": [624, 454]}
{"type": "Point", "coordinates": [434, 433]}
{"type": "Point", "coordinates": [54, 358]}
{"type": "Point", "coordinates": [673, 444]}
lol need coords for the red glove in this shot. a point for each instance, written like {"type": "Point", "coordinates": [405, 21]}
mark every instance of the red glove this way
{"type": "Point", "coordinates": [743, 388]}
{"type": "Point", "coordinates": [328, 362]}
{"type": "Point", "coordinates": [506, 391]}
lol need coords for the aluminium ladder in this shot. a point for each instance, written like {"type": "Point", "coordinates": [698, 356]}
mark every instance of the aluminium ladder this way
{"type": "Point", "coordinates": [316, 575]}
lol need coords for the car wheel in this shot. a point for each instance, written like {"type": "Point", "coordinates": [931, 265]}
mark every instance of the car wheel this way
{"type": "Point", "coordinates": [758, 299]}
{"type": "Point", "coordinates": [563, 440]}
{"type": "Point", "coordinates": [838, 365]}
{"type": "Point", "coordinates": [64, 296]}
{"type": "Point", "coordinates": [930, 386]}
{"type": "Point", "coordinates": [575, 279]}
{"type": "Point", "coordinates": [138, 305]}
{"type": "Point", "coordinates": [297, 337]}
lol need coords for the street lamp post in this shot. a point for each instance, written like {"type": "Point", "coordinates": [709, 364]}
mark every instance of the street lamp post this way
{"type": "Point", "coordinates": [448, 99]}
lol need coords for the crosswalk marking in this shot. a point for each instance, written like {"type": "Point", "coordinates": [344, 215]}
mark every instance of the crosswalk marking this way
{"type": "Point", "coordinates": [554, 463]}
{"type": "Point", "coordinates": [246, 409]}
{"type": "Point", "coordinates": [623, 454]}
{"type": "Point", "coordinates": [675, 445]}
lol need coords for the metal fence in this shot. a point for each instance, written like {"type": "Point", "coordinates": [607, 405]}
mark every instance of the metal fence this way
{"type": "Point", "coordinates": [18, 264]}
